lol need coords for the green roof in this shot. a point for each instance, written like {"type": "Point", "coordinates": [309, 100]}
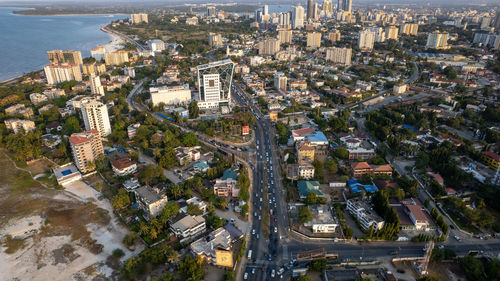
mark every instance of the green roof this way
{"type": "Point", "coordinates": [230, 173]}
{"type": "Point", "coordinates": [306, 187]}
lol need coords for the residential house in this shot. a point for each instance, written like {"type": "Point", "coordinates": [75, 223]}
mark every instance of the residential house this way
{"type": "Point", "coordinates": [186, 227]}
{"type": "Point", "coordinates": [306, 187]}
{"type": "Point", "coordinates": [364, 213]}
{"type": "Point", "coordinates": [150, 200]}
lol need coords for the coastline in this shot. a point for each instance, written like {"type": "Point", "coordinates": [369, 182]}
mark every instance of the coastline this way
{"type": "Point", "coordinates": [114, 44]}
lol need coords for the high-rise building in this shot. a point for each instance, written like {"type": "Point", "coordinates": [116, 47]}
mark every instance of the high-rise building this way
{"type": "Point", "coordinates": [59, 73]}
{"type": "Point", "coordinates": [487, 39]}
{"type": "Point", "coordinates": [391, 32]}
{"type": "Point", "coordinates": [95, 116]}
{"type": "Point", "coordinates": [280, 80]}
{"type": "Point", "coordinates": [269, 46]}
{"type": "Point", "coordinates": [211, 12]}
{"type": "Point", "coordinates": [138, 18]}
{"type": "Point", "coordinates": [344, 5]}
{"type": "Point", "coordinates": [379, 33]}
{"type": "Point", "coordinates": [214, 39]}
{"type": "Point", "coordinates": [259, 16]}
{"type": "Point", "coordinates": [68, 57]}
{"type": "Point", "coordinates": [284, 19]}
{"type": "Point", "coordinates": [334, 36]}
{"type": "Point", "coordinates": [485, 23]}
{"type": "Point", "coordinates": [298, 16]}
{"type": "Point", "coordinates": [285, 36]}
{"type": "Point", "coordinates": [310, 9]}
{"type": "Point", "coordinates": [366, 40]}
{"type": "Point", "coordinates": [314, 39]}
{"type": "Point", "coordinates": [214, 83]}
{"type": "Point", "coordinates": [170, 95]}
{"type": "Point", "coordinates": [156, 45]}
{"type": "Point", "coordinates": [316, 11]}
{"type": "Point", "coordinates": [98, 53]}
{"type": "Point", "coordinates": [409, 29]}
{"type": "Point", "coordinates": [95, 85]}
{"type": "Point", "coordinates": [265, 10]}
{"type": "Point", "coordinates": [328, 8]}
{"type": "Point", "coordinates": [86, 148]}
{"type": "Point", "coordinates": [93, 68]}
{"type": "Point", "coordinates": [116, 57]}
{"type": "Point", "coordinates": [496, 23]}
{"type": "Point", "coordinates": [437, 40]}
{"type": "Point", "coordinates": [339, 55]}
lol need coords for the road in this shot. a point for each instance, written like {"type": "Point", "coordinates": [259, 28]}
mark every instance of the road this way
{"type": "Point", "coordinates": [139, 46]}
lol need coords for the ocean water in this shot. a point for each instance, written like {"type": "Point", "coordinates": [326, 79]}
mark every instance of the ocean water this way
{"type": "Point", "coordinates": [24, 40]}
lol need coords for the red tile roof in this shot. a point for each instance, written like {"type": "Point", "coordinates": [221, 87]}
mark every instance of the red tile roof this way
{"type": "Point", "coordinates": [492, 155]}
{"type": "Point", "coordinates": [360, 165]}
{"type": "Point", "coordinates": [77, 139]}
{"type": "Point", "coordinates": [122, 163]}
{"type": "Point", "coordinates": [301, 132]}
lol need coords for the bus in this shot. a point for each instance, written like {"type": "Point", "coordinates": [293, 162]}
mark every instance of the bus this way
{"type": "Point", "coordinates": [249, 254]}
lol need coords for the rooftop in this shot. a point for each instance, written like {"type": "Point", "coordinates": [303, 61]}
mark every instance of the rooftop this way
{"type": "Point", "coordinates": [187, 222]}
{"type": "Point", "coordinates": [306, 187]}
{"type": "Point", "coordinates": [148, 194]}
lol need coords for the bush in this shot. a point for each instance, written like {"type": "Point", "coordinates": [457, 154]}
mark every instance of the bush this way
{"type": "Point", "coordinates": [118, 253]}
{"type": "Point", "coordinates": [130, 238]}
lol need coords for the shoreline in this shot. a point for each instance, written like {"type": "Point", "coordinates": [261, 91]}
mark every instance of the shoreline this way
{"type": "Point", "coordinates": [71, 14]}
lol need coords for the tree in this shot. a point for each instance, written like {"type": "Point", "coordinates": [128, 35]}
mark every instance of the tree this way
{"type": "Point", "coordinates": [170, 209]}
{"type": "Point", "coordinates": [192, 209]}
{"type": "Point", "coordinates": [71, 125]}
{"type": "Point", "coordinates": [244, 210]}
{"type": "Point", "coordinates": [151, 174]}
{"type": "Point", "coordinates": [120, 200]}
{"type": "Point", "coordinates": [229, 275]}
{"type": "Point", "coordinates": [194, 111]}
{"type": "Point", "coordinates": [318, 265]}
{"type": "Point", "coordinates": [331, 165]}
{"type": "Point", "coordinates": [130, 238]}
{"type": "Point", "coordinates": [304, 214]}
{"type": "Point", "coordinates": [191, 268]}
{"type": "Point", "coordinates": [428, 278]}
{"type": "Point", "coordinates": [190, 139]}
{"type": "Point", "coordinates": [304, 278]}
{"type": "Point", "coordinates": [450, 72]}
{"type": "Point", "coordinates": [118, 253]}
{"type": "Point", "coordinates": [472, 267]}
{"type": "Point", "coordinates": [341, 153]}
{"type": "Point", "coordinates": [312, 199]}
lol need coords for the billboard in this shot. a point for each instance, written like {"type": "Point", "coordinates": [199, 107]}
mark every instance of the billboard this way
{"type": "Point", "coordinates": [245, 130]}
{"type": "Point", "coordinates": [273, 116]}
{"type": "Point", "coordinates": [224, 258]}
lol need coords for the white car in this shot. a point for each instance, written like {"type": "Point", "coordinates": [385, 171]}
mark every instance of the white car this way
{"type": "Point", "coordinates": [275, 229]}
{"type": "Point", "coordinates": [253, 231]}
{"type": "Point", "coordinates": [273, 273]}
{"type": "Point", "coordinates": [260, 217]}
{"type": "Point", "coordinates": [245, 276]}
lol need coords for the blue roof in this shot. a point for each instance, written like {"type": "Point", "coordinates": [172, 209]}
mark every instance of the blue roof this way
{"type": "Point", "coordinates": [306, 187]}
{"type": "Point", "coordinates": [230, 173]}
{"type": "Point", "coordinates": [66, 172]}
{"type": "Point", "coordinates": [356, 187]}
{"type": "Point", "coordinates": [410, 127]}
{"type": "Point", "coordinates": [317, 136]}
{"type": "Point", "coordinates": [202, 165]}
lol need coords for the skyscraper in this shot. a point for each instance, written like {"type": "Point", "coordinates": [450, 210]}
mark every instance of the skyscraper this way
{"type": "Point", "coordinates": [86, 148]}
{"type": "Point", "coordinates": [314, 39]}
{"type": "Point", "coordinates": [214, 39]}
{"type": "Point", "coordinates": [344, 5]}
{"type": "Point", "coordinates": [214, 83]}
{"type": "Point", "coordinates": [391, 32]}
{"type": "Point", "coordinates": [298, 16]}
{"type": "Point", "coordinates": [328, 7]}
{"type": "Point", "coordinates": [269, 46]}
{"type": "Point", "coordinates": [310, 9]}
{"type": "Point", "coordinates": [285, 36]}
{"type": "Point", "coordinates": [95, 116]}
{"type": "Point", "coordinates": [284, 19]}
{"type": "Point", "coordinates": [65, 72]}
{"type": "Point", "coordinates": [409, 29]}
{"type": "Point", "coordinates": [265, 10]}
{"type": "Point", "coordinates": [95, 85]}
{"type": "Point", "coordinates": [280, 80]}
{"type": "Point", "coordinates": [211, 12]}
{"type": "Point", "coordinates": [138, 18]}
{"type": "Point", "coordinates": [366, 40]}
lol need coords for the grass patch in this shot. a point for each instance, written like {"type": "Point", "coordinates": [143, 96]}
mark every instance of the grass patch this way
{"type": "Point", "coordinates": [13, 245]}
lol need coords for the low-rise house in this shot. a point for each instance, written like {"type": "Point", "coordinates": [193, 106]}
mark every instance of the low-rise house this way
{"type": "Point", "coordinates": [305, 151]}
{"type": "Point", "coordinates": [183, 204]}
{"type": "Point", "coordinates": [226, 188]}
{"type": "Point", "coordinates": [206, 247]}
{"type": "Point", "coordinates": [18, 125]}
{"type": "Point", "coordinates": [491, 159]}
{"type": "Point", "coordinates": [186, 155]}
{"type": "Point", "coordinates": [306, 187]}
{"type": "Point", "coordinates": [364, 213]}
{"type": "Point", "coordinates": [150, 200]}
{"type": "Point", "coordinates": [67, 174]}
{"type": "Point", "coordinates": [131, 184]}
{"type": "Point", "coordinates": [123, 166]}
{"type": "Point", "coordinates": [362, 168]}
{"type": "Point", "coordinates": [303, 169]}
{"type": "Point", "coordinates": [186, 227]}
{"type": "Point", "coordinates": [322, 220]}
{"type": "Point", "coordinates": [361, 153]}
{"type": "Point", "coordinates": [19, 109]}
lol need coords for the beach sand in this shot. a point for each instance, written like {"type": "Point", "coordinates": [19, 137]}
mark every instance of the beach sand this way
{"type": "Point", "coordinates": [115, 44]}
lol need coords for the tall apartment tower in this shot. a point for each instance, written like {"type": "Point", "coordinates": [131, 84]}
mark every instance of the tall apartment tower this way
{"type": "Point", "coordinates": [211, 12]}
{"type": "Point", "coordinates": [95, 116]}
{"type": "Point", "coordinates": [339, 55]}
{"type": "Point", "coordinates": [68, 57]}
{"type": "Point", "coordinates": [285, 36]}
{"type": "Point", "coordinates": [314, 39]}
{"type": "Point", "coordinates": [328, 8]}
{"type": "Point", "coordinates": [310, 9]}
{"type": "Point", "coordinates": [269, 46]}
{"type": "Point", "coordinates": [95, 85]}
{"type": "Point", "coordinates": [366, 40]}
{"type": "Point", "coordinates": [298, 16]}
{"type": "Point", "coordinates": [334, 36]}
{"type": "Point", "coordinates": [214, 39]}
{"type": "Point", "coordinates": [65, 72]}
{"type": "Point", "coordinates": [391, 32]}
{"type": "Point", "coordinates": [280, 80]}
{"type": "Point", "coordinates": [86, 148]}
{"type": "Point", "coordinates": [265, 10]}
{"type": "Point", "coordinates": [284, 19]}
{"type": "Point", "coordinates": [139, 18]}
{"type": "Point", "coordinates": [437, 40]}
{"type": "Point", "coordinates": [409, 29]}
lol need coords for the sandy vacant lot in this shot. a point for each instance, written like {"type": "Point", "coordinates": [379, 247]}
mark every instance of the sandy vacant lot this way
{"type": "Point", "coordinates": [49, 234]}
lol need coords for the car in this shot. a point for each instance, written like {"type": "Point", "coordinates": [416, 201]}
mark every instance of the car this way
{"type": "Point", "coordinates": [275, 229]}
{"type": "Point", "coordinates": [401, 271]}
{"type": "Point", "coordinates": [441, 247]}
{"type": "Point", "coordinates": [260, 217]}
{"type": "Point", "coordinates": [457, 238]}
{"type": "Point", "coordinates": [245, 276]}
{"type": "Point", "coordinates": [253, 270]}
{"type": "Point", "coordinates": [275, 220]}
{"type": "Point", "coordinates": [281, 270]}
{"type": "Point", "coordinates": [257, 236]}
{"type": "Point", "coordinates": [273, 273]}
{"type": "Point", "coordinates": [254, 214]}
